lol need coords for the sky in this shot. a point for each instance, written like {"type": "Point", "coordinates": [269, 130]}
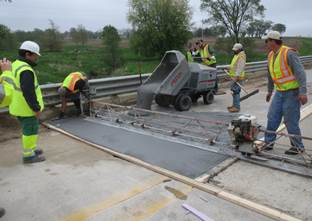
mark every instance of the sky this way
{"type": "Point", "coordinates": [95, 14]}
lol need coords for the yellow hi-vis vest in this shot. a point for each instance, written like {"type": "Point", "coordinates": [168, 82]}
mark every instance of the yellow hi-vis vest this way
{"type": "Point", "coordinates": [71, 80]}
{"type": "Point", "coordinates": [7, 85]}
{"type": "Point", "coordinates": [204, 53]}
{"type": "Point", "coordinates": [189, 56]}
{"type": "Point", "coordinates": [280, 71]}
{"type": "Point", "coordinates": [19, 106]}
{"type": "Point", "coordinates": [240, 56]}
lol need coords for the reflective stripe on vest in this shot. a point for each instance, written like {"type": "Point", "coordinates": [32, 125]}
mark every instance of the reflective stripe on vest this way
{"type": "Point", "coordinates": [204, 53]}
{"type": "Point", "coordinates": [280, 71]}
{"type": "Point", "coordinates": [19, 106]}
{"type": "Point", "coordinates": [71, 80]}
{"type": "Point", "coordinates": [234, 62]}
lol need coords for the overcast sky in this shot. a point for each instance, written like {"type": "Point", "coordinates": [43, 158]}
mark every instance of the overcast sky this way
{"type": "Point", "coordinates": [94, 14]}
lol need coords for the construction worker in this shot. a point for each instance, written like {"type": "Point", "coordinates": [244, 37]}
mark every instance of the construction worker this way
{"type": "Point", "coordinates": [27, 103]}
{"type": "Point", "coordinates": [237, 74]}
{"type": "Point", "coordinates": [189, 53]}
{"type": "Point", "coordinates": [2, 212]}
{"type": "Point", "coordinates": [206, 54]}
{"type": "Point", "coordinates": [72, 86]}
{"type": "Point", "coordinates": [288, 77]}
{"type": "Point", "coordinates": [6, 83]}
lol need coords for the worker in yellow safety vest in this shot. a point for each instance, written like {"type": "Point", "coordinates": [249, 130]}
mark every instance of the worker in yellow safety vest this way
{"type": "Point", "coordinates": [6, 83]}
{"type": "Point", "coordinates": [189, 53]}
{"type": "Point", "coordinates": [237, 74]}
{"type": "Point", "coordinates": [74, 84]}
{"type": "Point", "coordinates": [207, 54]}
{"type": "Point", "coordinates": [27, 102]}
{"type": "Point", "coordinates": [287, 76]}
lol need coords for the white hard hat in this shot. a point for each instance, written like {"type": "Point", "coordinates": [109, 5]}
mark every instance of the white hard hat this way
{"type": "Point", "coordinates": [273, 35]}
{"type": "Point", "coordinates": [31, 46]}
{"type": "Point", "coordinates": [237, 47]}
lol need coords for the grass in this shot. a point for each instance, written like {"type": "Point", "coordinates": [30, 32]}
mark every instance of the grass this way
{"type": "Point", "coordinates": [54, 66]}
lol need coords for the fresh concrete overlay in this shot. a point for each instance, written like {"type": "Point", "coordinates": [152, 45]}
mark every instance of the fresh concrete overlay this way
{"type": "Point", "coordinates": [178, 157]}
{"type": "Point", "coordinates": [78, 182]}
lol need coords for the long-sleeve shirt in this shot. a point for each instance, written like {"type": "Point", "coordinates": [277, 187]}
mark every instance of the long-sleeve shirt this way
{"type": "Point", "coordinates": [297, 69]}
{"type": "Point", "coordinates": [28, 88]}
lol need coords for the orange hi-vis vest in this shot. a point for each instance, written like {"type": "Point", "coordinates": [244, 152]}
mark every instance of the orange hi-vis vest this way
{"type": "Point", "coordinates": [71, 80]}
{"type": "Point", "coordinates": [281, 73]}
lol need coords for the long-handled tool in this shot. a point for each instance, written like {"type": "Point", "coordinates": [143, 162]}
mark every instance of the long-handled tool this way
{"type": "Point", "coordinates": [247, 93]}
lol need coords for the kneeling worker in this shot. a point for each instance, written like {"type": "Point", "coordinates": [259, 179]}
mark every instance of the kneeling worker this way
{"type": "Point", "coordinates": [74, 84]}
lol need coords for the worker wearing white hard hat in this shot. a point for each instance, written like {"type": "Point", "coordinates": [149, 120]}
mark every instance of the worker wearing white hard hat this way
{"type": "Point", "coordinates": [287, 78]}
{"type": "Point", "coordinates": [237, 74]}
{"type": "Point", "coordinates": [27, 102]}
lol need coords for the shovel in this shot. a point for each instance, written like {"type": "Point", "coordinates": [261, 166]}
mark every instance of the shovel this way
{"type": "Point", "coordinates": [247, 93]}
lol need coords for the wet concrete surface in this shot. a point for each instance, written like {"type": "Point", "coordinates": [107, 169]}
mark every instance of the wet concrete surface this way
{"type": "Point", "coordinates": [178, 157]}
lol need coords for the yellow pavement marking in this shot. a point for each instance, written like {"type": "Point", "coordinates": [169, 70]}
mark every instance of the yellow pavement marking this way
{"type": "Point", "coordinates": [148, 208]}
{"type": "Point", "coordinates": [85, 213]}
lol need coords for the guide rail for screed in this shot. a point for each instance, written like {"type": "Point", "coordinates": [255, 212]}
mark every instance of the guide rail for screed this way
{"type": "Point", "coordinates": [201, 133]}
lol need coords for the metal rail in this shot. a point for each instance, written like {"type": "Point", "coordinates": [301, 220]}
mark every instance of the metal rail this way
{"type": "Point", "coordinates": [126, 84]}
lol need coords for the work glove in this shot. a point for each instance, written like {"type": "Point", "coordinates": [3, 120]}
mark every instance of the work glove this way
{"type": "Point", "coordinates": [268, 97]}
{"type": "Point", "coordinates": [303, 99]}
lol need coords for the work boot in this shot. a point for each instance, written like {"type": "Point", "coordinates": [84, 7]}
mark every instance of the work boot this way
{"type": "Point", "coordinates": [233, 110]}
{"type": "Point", "coordinates": [294, 151]}
{"type": "Point", "coordinates": [33, 159]}
{"type": "Point", "coordinates": [229, 107]}
{"type": "Point", "coordinates": [2, 212]}
{"type": "Point", "coordinates": [38, 151]}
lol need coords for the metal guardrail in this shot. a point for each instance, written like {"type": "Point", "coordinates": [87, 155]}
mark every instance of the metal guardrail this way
{"type": "Point", "coordinates": [127, 84]}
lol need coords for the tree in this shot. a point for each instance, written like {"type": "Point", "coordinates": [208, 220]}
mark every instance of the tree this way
{"type": "Point", "coordinates": [281, 28]}
{"type": "Point", "coordinates": [258, 28]}
{"type": "Point", "coordinates": [79, 34]}
{"type": "Point", "coordinates": [7, 39]}
{"type": "Point", "coordinates": [52, 38]}
{"type": "Point", "coordinates": [234, 15]}
{"type": "Point", "coordinates": [111, 41]}
{"type": "Point", "coordinates": [159, 25]}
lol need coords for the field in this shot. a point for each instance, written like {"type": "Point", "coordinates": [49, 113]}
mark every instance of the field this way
{"type": "Point", "coordinates": [54, 66]}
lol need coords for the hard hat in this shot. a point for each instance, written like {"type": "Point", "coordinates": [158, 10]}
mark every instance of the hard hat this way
{"type": "Point", "coordinates": [31, 46]}
{"type": "Point", "coordinates": [237, 47]}
{"type": "Point", "coordinates": [273, 35]}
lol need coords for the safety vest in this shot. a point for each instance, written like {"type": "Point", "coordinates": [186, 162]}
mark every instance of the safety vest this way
{"type": "Point", "coordinates": [71, 80]}
{"type": "Point", "coordinates": [19, 106]}
{"type": "Point", "coordinates": [7, 85]}
{"type": "Point", "coordinates": [281, 73]}
{"type": "Point", "coordinates": [240, 56]}
{"type": "Point", "coordinates": [204, 53]}
{"type": "Point", "coordinates": [189, 56]}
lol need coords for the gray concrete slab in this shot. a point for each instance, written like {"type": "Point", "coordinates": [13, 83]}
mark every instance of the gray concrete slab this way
{"type": "Point", "coordinates": [286, 192]}
{"type": "Point", "coordinates": [78, 182]}
{"type": "Point", "coordinates": [178, 157]}
{"type": "Point", "coordinates": [74, 176]}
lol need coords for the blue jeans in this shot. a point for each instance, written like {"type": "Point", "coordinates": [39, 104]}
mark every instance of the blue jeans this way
{"type": "Point", "coordinates": [235, 88]}
{"type": "Point", "coordinates": [285, 104]}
